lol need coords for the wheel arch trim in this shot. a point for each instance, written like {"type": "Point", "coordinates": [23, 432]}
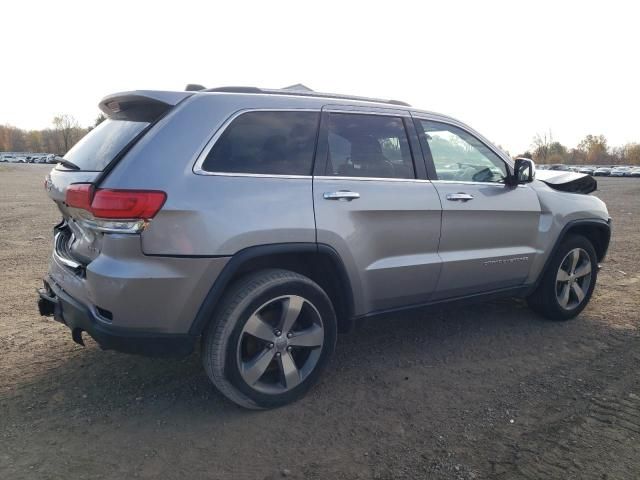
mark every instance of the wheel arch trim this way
{"type": "Point", "coordinates": [247, 255]}
{"type": "Point", "coordinates": [598, 223]}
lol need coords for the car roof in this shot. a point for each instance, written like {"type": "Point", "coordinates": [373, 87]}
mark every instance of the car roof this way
{"type": "Point", "coordinates": [288, 95]}
{"type": "Point", "coordinates": [319, 99]}
{"type": "Point", "coordinates": [286, 98]}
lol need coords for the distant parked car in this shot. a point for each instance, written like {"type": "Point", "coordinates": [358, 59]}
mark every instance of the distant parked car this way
{"type": "Point", "coordinates": [620, 172]}
{"type": "Point", "coordinates": [602, 172]}
{"type": "Point", "coordinates": [559, 166]}
{"type": "Point", "coordinates": [587, 170]}
{"type": "Point", "coordinates": [635, 172]}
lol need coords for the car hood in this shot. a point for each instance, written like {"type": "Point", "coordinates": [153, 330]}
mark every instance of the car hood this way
{"type": "Point", "coordinates": [567, 181]}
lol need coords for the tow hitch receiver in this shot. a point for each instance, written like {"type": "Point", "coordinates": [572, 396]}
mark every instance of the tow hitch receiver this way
{"type": "Point", "coordinates": [49, 306]}
{"type": "Point", "coordinates": [47, 301]}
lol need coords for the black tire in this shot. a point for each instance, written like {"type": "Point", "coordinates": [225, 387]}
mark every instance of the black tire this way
{"type": "Point", "coordinates": [222, 341]}
{"type": "Point", "coordinates": [544, 299]}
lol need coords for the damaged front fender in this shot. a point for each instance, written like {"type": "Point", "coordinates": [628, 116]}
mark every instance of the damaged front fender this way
{"type": "Point", "coordinates": [568, 181]}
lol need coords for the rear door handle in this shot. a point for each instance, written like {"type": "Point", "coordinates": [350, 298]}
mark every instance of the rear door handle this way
{"type": "Point", "coordinates": [459, 197]}
{"type": "Point", "coordinates": [341, 195]}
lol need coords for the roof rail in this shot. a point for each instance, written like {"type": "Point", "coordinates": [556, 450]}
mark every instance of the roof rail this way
{"type": "Point", "coordinates": [299, 93]}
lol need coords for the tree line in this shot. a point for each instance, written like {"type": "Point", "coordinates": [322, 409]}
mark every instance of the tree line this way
{"type": "Point", "coordinates": [64, 133]}
{"type": "Point", "coordinates": [592, 150]}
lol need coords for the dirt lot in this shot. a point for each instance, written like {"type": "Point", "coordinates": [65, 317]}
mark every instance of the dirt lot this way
{"type": "Point", "coordinates": [488, 391]}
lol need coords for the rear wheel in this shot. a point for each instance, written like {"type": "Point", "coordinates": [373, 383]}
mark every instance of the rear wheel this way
{"type": "Point", "coordinates": [272, 336]}
{"type": "Point", "coordinates": [567, 285]}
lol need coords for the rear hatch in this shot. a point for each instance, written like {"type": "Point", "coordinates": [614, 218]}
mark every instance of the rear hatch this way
{"type": "Point", "coordinates": [129, 117]}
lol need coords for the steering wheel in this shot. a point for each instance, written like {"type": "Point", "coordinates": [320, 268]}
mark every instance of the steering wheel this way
{"type": "Point", "coordinates": [483, 175]}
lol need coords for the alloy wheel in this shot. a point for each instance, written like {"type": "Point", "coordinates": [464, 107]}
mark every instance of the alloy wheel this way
{"type": "Point", "coordinates": [280, 344]}
{"type": "Point", "coordinates": [573, 279]}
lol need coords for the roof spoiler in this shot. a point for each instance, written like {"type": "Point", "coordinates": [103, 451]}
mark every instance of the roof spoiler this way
{"type": "Point", "coordinates": [140, 105]}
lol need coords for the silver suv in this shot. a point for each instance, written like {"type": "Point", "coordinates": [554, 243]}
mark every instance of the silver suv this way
{"type": "Point", "coordinates": [261, 223]}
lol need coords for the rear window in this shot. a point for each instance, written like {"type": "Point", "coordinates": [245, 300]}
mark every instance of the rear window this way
{"type": "Point", "coordinates": [101, 145]}
{"type": "Point", "coordinates": [275, 143]}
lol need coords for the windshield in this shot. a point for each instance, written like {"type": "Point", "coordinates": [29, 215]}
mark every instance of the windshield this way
{"type": "Point", "coordinates": [101, 145]}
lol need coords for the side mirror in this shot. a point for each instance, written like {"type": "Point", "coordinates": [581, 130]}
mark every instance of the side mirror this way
{"type": "Point", "coordinates": [524, 171]}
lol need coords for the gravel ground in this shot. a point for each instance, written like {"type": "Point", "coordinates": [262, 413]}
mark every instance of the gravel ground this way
{"type": "Point", "coordinates": [484, 391]}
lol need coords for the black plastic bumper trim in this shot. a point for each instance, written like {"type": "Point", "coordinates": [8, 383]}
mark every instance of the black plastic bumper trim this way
{"type": "Point", "coordinates": [79, 317]}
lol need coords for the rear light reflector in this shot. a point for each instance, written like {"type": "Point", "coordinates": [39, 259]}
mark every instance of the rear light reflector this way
{"type": "Point", "coordinates": [115, 204]}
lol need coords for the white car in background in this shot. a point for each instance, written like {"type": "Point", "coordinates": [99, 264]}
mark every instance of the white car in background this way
{"type": "Point", "coordinates": [602, 172]}
{"type": "Point", "coordinates": [620, 172]}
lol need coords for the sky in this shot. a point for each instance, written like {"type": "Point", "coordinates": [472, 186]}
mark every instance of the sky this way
{"type": "Point", "coordinates": [509, 69]}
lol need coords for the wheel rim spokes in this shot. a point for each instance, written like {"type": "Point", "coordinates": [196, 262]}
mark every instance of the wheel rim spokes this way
{"type": "Point", "coordinates": [289, 370]}
{"type": "Point", "coordinates": [573, 278]}
{"type": "Point", "coordinates": [280, 344]}
{"type": "Point", "coordinates": [254, 369]}
{"type": "Point", "coordinates": [291, 311]}
{"type": "Point", "coordinates": [564, 295]}
{"type": "Point", "coordinates": [575, 257]}
{"type": "Point", "coordinates": [583, 270]}
{"type": "Point", "coordinates": [578, 291]}
{"type": "Point", "coordinates": [258, 328]}
{"type": "Point", "coordinates": [310, 337]}
{"type": "Point", "coordinates": [563, 276]}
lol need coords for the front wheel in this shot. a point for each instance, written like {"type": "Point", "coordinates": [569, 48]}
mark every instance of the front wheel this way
{"type": "Point", "coordinates": [568, 283]}
{"type": "Point", "coordinates": [272, 336]}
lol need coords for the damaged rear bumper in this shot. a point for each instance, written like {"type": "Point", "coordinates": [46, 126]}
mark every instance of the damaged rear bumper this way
{"type": "Point", "coordinates": [55, 302]}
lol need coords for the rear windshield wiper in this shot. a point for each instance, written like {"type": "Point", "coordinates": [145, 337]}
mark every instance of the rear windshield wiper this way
{"type": "Point", "coordinates": [68, 164]}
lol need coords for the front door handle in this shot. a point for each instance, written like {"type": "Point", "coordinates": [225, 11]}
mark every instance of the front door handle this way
{"type": "Point", "coordinates": [459, 197]}
{"type": "Point", "coordinates": [341, 195]}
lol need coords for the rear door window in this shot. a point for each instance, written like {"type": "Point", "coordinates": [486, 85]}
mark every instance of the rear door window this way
{"type": "Point", "coordinates": [362, 145]}
{"type": "Point", "coordinates": [266, 142]}
{"type": "Point", "coordinates": [102, 144]}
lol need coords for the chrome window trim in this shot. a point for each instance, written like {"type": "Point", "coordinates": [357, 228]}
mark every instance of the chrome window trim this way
{"type": "Point", "coordinates": [250, 175]}
{"type": "Point", "coordinates": [467, 182]}
{"type": "Point", "coordinates": [470, 182]}
{"type": "Point", "coordinates": [358, 110]}
{"type": "Point", "coordinates": [197, 167]}
{"type": "Point", "coordinates": [371, 179]}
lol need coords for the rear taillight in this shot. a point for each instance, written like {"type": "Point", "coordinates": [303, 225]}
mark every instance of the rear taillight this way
{"type": "Point", "coordinates": [131, 208]}
{"type": "Point", "coordinates": [79, 195]}
{"type": "Point", "coordinates": [127, 204]}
